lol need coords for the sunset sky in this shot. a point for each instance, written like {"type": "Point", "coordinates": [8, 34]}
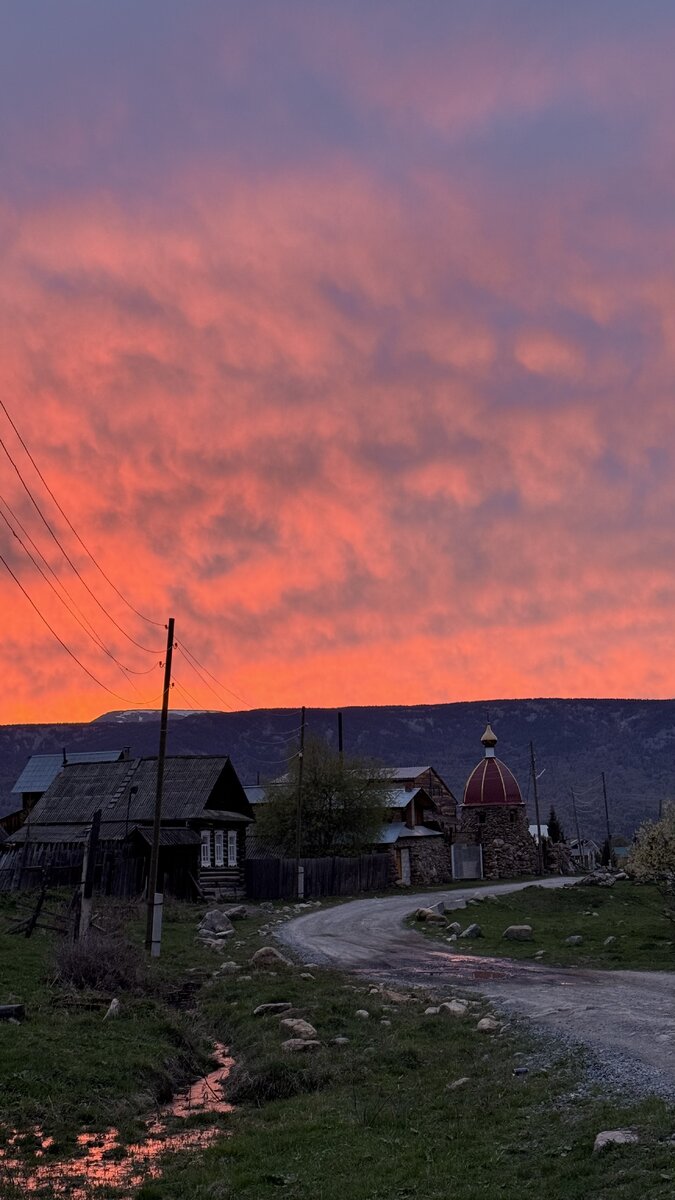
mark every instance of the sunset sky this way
{"type": "Point", "coordinates": [344, 333]}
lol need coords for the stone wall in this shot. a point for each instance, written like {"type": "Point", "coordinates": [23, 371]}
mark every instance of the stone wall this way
{"type": "Point", "coordinates": [430, 860]}
{"type": "Point", "coordinates": [508, 848]}
{"type": "Point", "coordinates": [558, 858]}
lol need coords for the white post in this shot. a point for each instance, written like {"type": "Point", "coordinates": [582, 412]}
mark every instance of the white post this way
{"type": "Point", "coordinates": [301, 881]}
{"type": "Point", "coordinates": [157, 910]}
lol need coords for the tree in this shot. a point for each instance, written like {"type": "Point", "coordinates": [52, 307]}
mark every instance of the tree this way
{"type": "Point", "coordinates": [556, 832]}
{"type": "Point", "coordinates": [343, 804]}
{"type": "Point", "coordinates": [652, 859]}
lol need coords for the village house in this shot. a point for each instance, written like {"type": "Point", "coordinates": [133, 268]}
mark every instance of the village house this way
{"type": "Point", "coordinates": [205, 814]}
{"type": "Point", "coordinates": [39, 772]}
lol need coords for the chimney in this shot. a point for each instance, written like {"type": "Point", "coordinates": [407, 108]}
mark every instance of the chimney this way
{"type": "Point", "coordinates": [65, 759]}
{"type": "Point", "coordinates": [126, 753]}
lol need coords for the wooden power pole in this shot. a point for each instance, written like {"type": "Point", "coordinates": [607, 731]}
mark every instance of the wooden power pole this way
{"type": "Point", "coordinates": [604, 796]}
{"type": "Point", "coordinates": [298, 828]}
{"type": "Point", "coordinates": [576, 823]}
{"type": "Point", "coordinates": [341, 744]}
{"type": "Point", "coordinates": [540, 848]}
{"type": "Point", "coordinates": [153, 928]}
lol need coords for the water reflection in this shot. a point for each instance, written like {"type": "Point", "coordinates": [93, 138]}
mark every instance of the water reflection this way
{"type": "Point", "coordinates": [103, 1162]}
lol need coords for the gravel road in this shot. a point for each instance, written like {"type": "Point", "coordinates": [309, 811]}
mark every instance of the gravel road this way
{"type": "Point", "coordinates": [627, 1017]}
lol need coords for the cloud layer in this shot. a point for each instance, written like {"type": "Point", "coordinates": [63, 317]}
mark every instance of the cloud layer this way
{"type": "Point", "coordinates": [347, 338]}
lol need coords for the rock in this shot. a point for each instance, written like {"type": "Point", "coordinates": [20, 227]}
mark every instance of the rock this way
{"type": "Point", "coordinates": [597, 878]}
{"type": "Point", "coordinates": [478, 897]}
{"type": "Point", "coordinates": [270, 1010]}
{"type": "Point", "coordinates": [431, 1012]}
{"type": "Point", "coordinates": [472, 931]}
{"type": "Point", "coordinates": [385, 1021]}
{"type": "Point", "coordinates": [228, 968]}
{"type": "Point", "coordinates": [396, 997]}
{"type": "Point", "coordinates": [299, 1028]}
{"type": "Point", "coordinates": [244, 978]}
{"type": "Point", "coordinates": [429, 915]}
{"type": "Point", "coordinates": [621, 875]}
{"type": "Point", "coordinates": [213, 943]}
{"type": "Point", "coordinates": [614, 1137]}
{"type": "Point", "coordinates": [113, 1011]}
{"type": "Point", "coordinates": [575, 939]}
{"type": "Point", "coordinates": [340, 1041]}
{"type": "Point", "coordinates": [363, 1013]}
{"type": "Point", "coordinates": [237, 913]}
{"type": "Point", "coordinates": [521, 1070]}
{"type": "Point", "coordinates": [457, 1083]}
{"type": "Point", "coordinates": [307, 975]}
{"type": "Point", "coordinates": [487, 1025]}
{"type": "Point", "coordinates": [216, 921]}
{"type": "Point", "coordinates": [609, 941]}
{"type": "Point", "coordinates": [455, 927]}
{"type": "Point", "coordinates": [268, 956]}
{"type": "Point", "coordinates": [456, 1008]}
{"type": "Point", "coordinates": [518, 933]}
{"type": "Point", "coordinates": [493, 898]}
{"type": "Point", "coordinates": [452, 938]}
{"type": "Point", "coordinates": [300, 1046]}
{"type": "Point", "coordinates": [539, 953]}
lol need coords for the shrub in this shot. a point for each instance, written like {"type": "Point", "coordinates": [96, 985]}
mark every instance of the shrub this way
{"type": "Point", "coordinates": [100, 962]}
{"type": "Point", "coordinates": [275, 1079]}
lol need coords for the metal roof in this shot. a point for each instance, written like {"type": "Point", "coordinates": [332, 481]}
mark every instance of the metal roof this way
{"type": "Point", "coordinates": [169, 837]}
{"type": "Point", "coordinates": [401, 797]}
{"type": "Point", "coordinates": [42, 769]}
{"type": "Point", "coordinates": [391, 833]}
{"type": "Point", "coordinates": [404, 772]}
{"type": "Point", "coordinates": [125, 792]}
{"type": "Point", "coordinates": [255, 793]}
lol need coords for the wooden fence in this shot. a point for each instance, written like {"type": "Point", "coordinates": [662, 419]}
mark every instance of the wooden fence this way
{"type": "Point", "coordinates": [277, 878]}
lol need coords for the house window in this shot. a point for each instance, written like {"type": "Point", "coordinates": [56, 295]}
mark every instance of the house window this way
{"type": "Point", "coordinates": [206, 848]}
{"type": "Point", "coordinates": [218, 848]}
{"type": "Point", "coordinates": [232, 848]}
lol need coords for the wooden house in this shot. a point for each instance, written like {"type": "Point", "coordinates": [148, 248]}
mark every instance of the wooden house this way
{"type": "Point", "coordinates": [205, 813]}
{"type": "Point", "coordinates": [39, 772]}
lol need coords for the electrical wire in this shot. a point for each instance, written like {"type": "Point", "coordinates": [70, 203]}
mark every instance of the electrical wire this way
{"type": "Point", "coordinates": [194, 699]}
{"type": "Point", "coordinates": [203, 679]}
{"type": "Point", "coordinates": [74, 612]}
{"type": "Point", "coordinates": [124, 699]}
{"type": "Point", "coordinates": [196, 661]}
{"type": "Point", "coordinates": [69, 560]}
{"type": "Point", "coordinates": [86, 549]}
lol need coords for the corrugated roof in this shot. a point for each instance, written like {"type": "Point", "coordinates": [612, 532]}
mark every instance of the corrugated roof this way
{"type": "Point", "coordinates": [169, 837]}
{"type": "Point", "coordinates": [42, 769]}
{"type": "Point", "coordinates": [191, 784]}
{"type": "Point", "coordinates": [255, 793]}
{"type": "Point", "coordinates": [404, 772]}
{"type": "Point", "coordinates": [401, 797]}
{"type": "Point", "coordinates": [391, 833]}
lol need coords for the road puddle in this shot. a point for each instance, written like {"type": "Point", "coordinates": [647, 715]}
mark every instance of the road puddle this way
{"type": "Point", "coordinates": [103, 1162]}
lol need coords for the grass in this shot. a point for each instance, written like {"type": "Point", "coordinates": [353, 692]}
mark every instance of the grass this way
{"type": "Point", "coordinates": [633, 914]}
{"type": "Point", "coordinates": [369, 1120]}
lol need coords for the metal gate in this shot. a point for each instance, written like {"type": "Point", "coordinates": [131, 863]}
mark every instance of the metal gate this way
{"type": "Point", "coordinates": [467, 862]}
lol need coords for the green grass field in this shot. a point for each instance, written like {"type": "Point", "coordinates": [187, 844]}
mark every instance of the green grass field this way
{"type": "Point", "coordinates": [369, 1120]}
{"type": "Point", "coordinates": [633, 914]}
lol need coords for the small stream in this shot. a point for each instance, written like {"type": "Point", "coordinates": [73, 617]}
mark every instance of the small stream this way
{"type": "Point", "coordinates": [103, 1162]}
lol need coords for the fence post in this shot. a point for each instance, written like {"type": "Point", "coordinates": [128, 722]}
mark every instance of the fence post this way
{"type": "Point", "coordinates": [88, 868]}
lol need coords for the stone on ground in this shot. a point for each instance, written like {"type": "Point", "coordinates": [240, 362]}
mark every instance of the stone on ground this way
{"type": "Point", "coordinates": [300, 1046]}
{"type": "Point", "coordinates": [215, 921]}
{"type": "Point", "coordinates": [236, 913]}
{"type": "Point", "coordinates": [455, 927]}
{"type": "Point", "coordinates": [518, 933]}
{"type": "Point", "coordinates": [457, 1083]}
{"type": "Point", "coordinates": [609, 941]}
{"type": "Point", "coordinates": [299, 1028]}
{"type": "Point", "coordinates": [340, 1041]}
{"type": "Point", "coordinates": [229, 967]}
{"type": "Point", "coordinates": [487, 1025]}
{"type": "Point", "coordinates": [362, 1012]}
{"type": "Point", "coordinates": [472, 931]}
{"type": "Point", "coordinates": [270, 1010]}
{"type": "Point", "coordinates": [431, 1011]}
{"type": "Point", "coordinates": [575, 939]}
{"type": "Point", "coordinates": [456, 1008]}
{"type": "Point", "coordinates": [614, 1137]}
{"type": "Point", "coordinates": [268, 956]}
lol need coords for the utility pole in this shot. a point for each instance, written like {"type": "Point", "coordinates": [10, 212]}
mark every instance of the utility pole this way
{"type": "Point", "coordinates": [340, 737]}
{"type": "Point", "coordinates": [576, 820]}
{"type": "Point", "coordinates": [298, 830]}
{"type": "Point", "coordinates": [153, 928]}
{"type": "Point", "coordinates": [604, 796]}
{"type": "Point", "coordinates": [540, 848]}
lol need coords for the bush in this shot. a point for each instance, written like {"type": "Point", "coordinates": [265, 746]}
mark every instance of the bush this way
{"type": "Point", "coordinates": [100, 962]}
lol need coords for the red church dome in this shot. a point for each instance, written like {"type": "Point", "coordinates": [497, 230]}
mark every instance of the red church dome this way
{"type": "Point", "coordinates": [491, 783]}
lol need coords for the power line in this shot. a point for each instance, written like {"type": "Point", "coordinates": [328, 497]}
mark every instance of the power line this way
{"type": "Point", "coordinates": [189, 695]}
{"type": "Point", "coordinates": [86, 549]}
{"type": "Point", "coordinates": [74, 612]}
{"type": "Point", "coordinates": [203, 679]}
{"type": "Point", "coordinates": [69, 560]}
{"type": "Point", "coordinates": [124, 699]}
{"type": "Point", "coordinates": [185, 650]}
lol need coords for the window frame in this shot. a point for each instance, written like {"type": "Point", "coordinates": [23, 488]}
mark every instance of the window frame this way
{"type": "Point", "coordinates": [218, 848]}
{"type": "Point", "coordinates": [232, 850]}
{"type": "Point", "coordinates": [205, 858]}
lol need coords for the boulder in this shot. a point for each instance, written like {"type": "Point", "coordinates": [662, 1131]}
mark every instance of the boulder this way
{"type": "Point", "coordinates": [452, 938]}
{"type": "Point", "coordinates": [614, 1137]}
{"type": "Point", "coordinates": [457, 1083]}
{"type": "Point", "coordinates": [487, 1025]}
{"type": "Point", "coordinates": [268, 956]}
{"type": "Point", "coordinates": [340, 1041]}
{"type": "Point", "coordinates": [620, 875]}
{"type": "Point", "coordinates": [455, 927]}
{"type": "Point", "coordinates": [228, 968]}
{"type": "Point", "coordinates": [216, 921]}
{"type": "Point", "coordinates": [609, 941]}
{"type": "Point", "coordinates": [518, 933]}
{"type": "Point", "coordinates": [456, 1008]}
{"type": "Point", "coordinates": [472, 931]}
{"type": "Point", "coordinates": [306, 975]}
{"type": "Point", "coordinates": [273, 1009]}
{"type": "Point", "coordinates": [385, 1021]}
{"type": "Point", "coordinates": [431, 1012]}
{"type": "Point", "coordinates": [299, 1028]}
{"type": "Point", "coordinates": [575, 939]}
{"type": "Point", "coordinates": [237, 913]}
{"type": "Point", "coordinates": [429, 915]}
{"type": "Point", "coordinates": [300, 1046]}
{"type": "Point", "coordinates": [362, 1013]}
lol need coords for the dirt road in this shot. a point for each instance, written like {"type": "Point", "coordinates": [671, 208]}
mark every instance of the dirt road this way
{"type": "Point", "coordinates": [628, 1017]}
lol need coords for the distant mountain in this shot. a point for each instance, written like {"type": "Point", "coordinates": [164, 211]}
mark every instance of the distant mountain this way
{"type": "Point", "coordinates": [633, 741]}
